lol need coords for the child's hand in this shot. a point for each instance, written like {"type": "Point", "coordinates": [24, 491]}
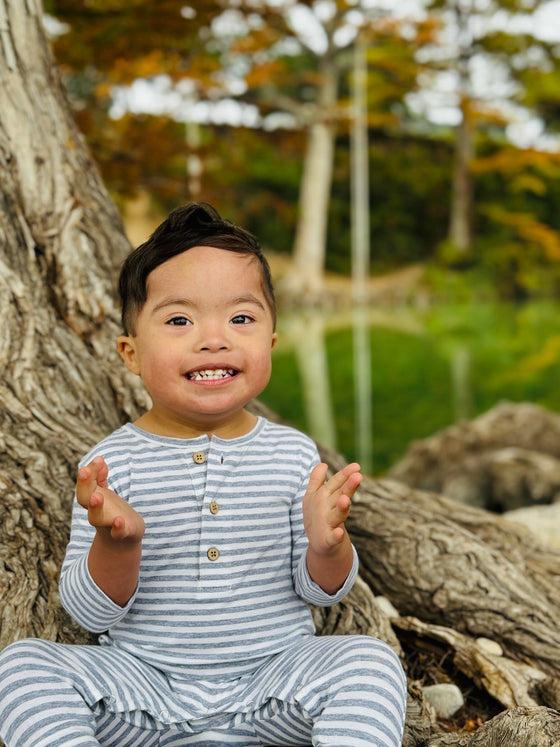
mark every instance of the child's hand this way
{"type": "Point", "coordinates": [107, 511]}
{"type": "Point", "coordinates": [326, 506]}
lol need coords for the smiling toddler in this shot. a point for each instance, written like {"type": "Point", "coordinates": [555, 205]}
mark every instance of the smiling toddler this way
{"type": "Point", "coordinates": [200, 534]}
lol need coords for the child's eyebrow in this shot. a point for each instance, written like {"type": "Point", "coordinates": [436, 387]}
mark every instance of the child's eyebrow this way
{"type": "Point", "coordinates": [177, 301]}
{"type": "Point", "coordinates": [172, 301]}
{"type": "Point", "coordinates": [248, 299]}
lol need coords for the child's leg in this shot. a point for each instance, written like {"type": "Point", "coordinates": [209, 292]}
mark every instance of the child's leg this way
{"type": "Point", "coordinates": [227, 734]}
{"type": "Point", "coordinates": [44, 702]}
{"type": "Point", "coordinates": [351, 690]}
{"type": "Point", "coordinates": [36, 710]}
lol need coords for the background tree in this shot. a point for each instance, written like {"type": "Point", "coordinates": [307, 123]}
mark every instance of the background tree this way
{"type": "Point", "coordinates": [61, 244]}
{"type": "Point", "coordinates": [475, 35]}
{"type": "Point", "coordinates": [258, 56]}
{"type": "Point", "coordinates": [518, 239]}
{"type": "Point", "coordinates": [104, 47]}
{"type": "Point", "coordinates": [288, 63]}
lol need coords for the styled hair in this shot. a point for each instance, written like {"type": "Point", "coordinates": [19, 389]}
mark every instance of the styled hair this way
{"type": "Point", "coordinates": [195, 224]}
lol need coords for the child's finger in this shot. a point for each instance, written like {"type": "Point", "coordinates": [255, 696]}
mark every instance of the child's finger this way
{"type": "Point", "coordinates": [352, 484]}
{"type": "Point", "coordinates": [338, 480]}
{"type": "Point", "coordinates": [102, 471]}
{"type": "Point", "coordinates": [334, 536]}
{"type": "Point", "coordinates": [343, 503]}
{"type": "Point", "coordinates": [97, 515]}
{"type": "Point", "coordinates": [97, 500]}
{"type": "Point", "coordinates": [118, 528]}
{"type": "Point", "coordinates": [339, 512]}
{"type": "Point", "coordinates": [85, 484]}
{"type": "Point", "coordinates": [317, 478]}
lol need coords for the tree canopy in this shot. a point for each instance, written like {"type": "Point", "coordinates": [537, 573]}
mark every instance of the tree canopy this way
{"type": "Point", "coordinates": [287, 85]}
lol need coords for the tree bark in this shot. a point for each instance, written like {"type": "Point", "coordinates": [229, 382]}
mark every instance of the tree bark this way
{"type": "Point", "coordinates": [461, 190]}
{"type": "Point", "coordinates": [304, 282]}
{"type": "Point", "coordinates": [507, 457]}
{"type": "Point", "coordinates": [460, 231]}
{"type": "Point", "coordinates": [454, 574]}
{"type": "Point", "coordinates": [61, 244]}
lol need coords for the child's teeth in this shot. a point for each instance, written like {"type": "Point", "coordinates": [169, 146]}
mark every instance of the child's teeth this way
{"type": "Point", "coordinates": [218, 373]}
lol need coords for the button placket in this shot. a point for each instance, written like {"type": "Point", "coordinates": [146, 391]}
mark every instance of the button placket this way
{"type": "Point", "coordinates": [209, 529]}
{"type": "Point", "coordinates": [198, 467]}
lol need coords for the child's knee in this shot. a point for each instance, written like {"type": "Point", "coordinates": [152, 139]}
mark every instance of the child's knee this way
{"type": "Point", "coordinates": [16, 653]}
{"type": "Point", "coordinates": [22, 662]}
{"type": "Point", "coordinates": [13, 674]}
{"type": "Point", "coordinates": [376, 651]}
{"type": "Point", "coordinates": [373, 662]}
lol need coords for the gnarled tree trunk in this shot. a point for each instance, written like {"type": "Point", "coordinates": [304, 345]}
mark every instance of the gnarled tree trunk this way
{"type": "Point", "coordinates": [61, 387]}
{"type": "Point", "coordinates": [454, 574]}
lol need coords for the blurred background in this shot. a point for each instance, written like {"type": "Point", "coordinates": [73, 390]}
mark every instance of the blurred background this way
{"type": "Point", "coordinates": [400, 163]}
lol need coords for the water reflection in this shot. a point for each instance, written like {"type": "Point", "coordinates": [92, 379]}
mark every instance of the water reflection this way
{"type": "Point", "coordinates": [368, 382]}
{"type": "Point", "coordinates": [460, 377]}
{"type": "Point", "coordinates": [307, 336]}
{"type": "Point", "coordinates": [362, 389]}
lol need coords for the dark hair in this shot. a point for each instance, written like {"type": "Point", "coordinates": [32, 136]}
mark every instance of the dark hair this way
{"type": "Point", "coordinates": [196, 224]}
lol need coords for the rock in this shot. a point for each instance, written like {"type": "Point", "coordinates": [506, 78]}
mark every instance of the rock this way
{"type": "Point", "coordinates": [385, 605]}
{"type": "Point", "coordinates": [446, 699]}
{"type": "Point", "coordinates": [489, 646]}
{"type": "Point", "coordinates": [543, 521]}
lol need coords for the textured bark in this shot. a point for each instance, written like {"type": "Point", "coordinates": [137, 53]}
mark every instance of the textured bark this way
{"type": "Point", "coordinates": [461, 193]}
{"type": "Point", "coordinates": [454, 573]}
{"type": "Point", "coordinates": [432, 568]}
{"type": "Point", "coordinates": [519, 727]}
{"type": "Point", "coordinates": [61, 242]}
{"type": "Point", "coordinates": [305, 281]}
{"type": "Point", "coordinates": [507, 457]}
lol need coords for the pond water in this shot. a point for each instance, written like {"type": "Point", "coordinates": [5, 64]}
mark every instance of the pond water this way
{"type": "Point", "coordinates": [370, 381]}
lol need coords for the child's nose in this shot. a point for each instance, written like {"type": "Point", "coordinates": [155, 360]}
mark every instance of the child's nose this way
{"type": "Point", "coordinates": [213, 338]}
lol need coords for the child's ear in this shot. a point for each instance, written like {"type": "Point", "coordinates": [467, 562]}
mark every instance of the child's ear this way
{"type": "Point", "coordinates": [274, 339]}
{"type": "Point", "coordinates": [127, 351]}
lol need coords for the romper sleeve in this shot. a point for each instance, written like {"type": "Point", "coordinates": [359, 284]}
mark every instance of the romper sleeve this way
{"type": "Point", "coordinates": [304, 585]}
{"type": "Point", "coordinates": [79, 594]}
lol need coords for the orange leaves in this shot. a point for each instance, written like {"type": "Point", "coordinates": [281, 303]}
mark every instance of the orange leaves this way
{"type": "Point", "coordinates": [529, 230]}
{"type": "Point", "coordinates": [257, 40]}
{"type": "Point", "coordinates": [265, 74]}
{"type": "Point", "coordinates": [512, 160]}
{"type": "Point", "coordinates": [126, 69]}
{"type": "Point", "coordinates": [532, 231]}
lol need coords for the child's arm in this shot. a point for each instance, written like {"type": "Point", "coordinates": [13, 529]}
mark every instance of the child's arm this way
{"type": "Point", "coordinates": [326, 507]}
{"type": "Point", "coordinates": [114, 556]}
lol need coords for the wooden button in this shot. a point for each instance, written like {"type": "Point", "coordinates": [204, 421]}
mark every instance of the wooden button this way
{"type": "Point", "coordinates": [213, 553]}
{"type": "Point", "coordinates": [199, 457]}
{"type": "Point", "coordinates": [214, 508]}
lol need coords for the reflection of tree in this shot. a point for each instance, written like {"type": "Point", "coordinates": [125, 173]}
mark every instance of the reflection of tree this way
{"type": "Point", "coordinates": [362, 390]}
{"type": "Point", "coordinates": [460, 360]}
{"type": "Point", "coordinates": [307, 333]}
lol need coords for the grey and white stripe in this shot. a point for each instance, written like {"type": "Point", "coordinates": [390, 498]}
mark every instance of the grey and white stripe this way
{"type": "Point", "coordinates": [345, 691]}
{"type": "Point", "coordinates": [220, 641]}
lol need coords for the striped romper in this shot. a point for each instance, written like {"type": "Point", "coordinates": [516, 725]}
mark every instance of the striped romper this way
{"type": "Point", "coordinates": [217, 645]}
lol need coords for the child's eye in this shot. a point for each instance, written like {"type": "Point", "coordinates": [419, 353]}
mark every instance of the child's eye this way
{"type": "Point", "coordinates": [179, 321]}
{"type": "Point", "coordinates": [242, 319]}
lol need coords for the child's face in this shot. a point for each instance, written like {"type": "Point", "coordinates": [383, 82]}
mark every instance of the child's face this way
{"type": "Point", "coordinates": [203, 340]}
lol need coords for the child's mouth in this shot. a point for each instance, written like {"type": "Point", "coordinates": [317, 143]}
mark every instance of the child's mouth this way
{"type": "Point", "coordinates": [211, 374]}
